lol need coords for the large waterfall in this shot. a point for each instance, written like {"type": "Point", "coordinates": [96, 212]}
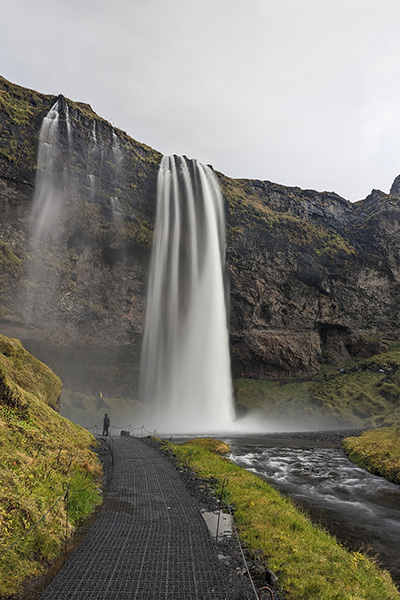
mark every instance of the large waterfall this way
{"type": "Point", "coordinates": [185, 367]}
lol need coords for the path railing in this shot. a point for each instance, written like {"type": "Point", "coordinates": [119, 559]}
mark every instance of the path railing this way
{"type": "Point", "coordinates": [142, 429]}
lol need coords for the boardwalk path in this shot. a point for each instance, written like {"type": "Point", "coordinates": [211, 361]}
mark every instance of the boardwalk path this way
{"type": "Point", "coordinates": [149, 541]}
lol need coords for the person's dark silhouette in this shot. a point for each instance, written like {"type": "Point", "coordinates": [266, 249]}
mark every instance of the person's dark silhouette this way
{"type": "Point", "coordinates": [106, 424]}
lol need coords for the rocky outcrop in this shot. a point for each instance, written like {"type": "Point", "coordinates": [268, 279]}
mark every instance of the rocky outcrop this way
{"type": "Point", "coordinates": [312, 277]}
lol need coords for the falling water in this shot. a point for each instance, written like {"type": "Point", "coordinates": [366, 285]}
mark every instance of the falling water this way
{"type": "Point", "coordinates": [47, 209]}
{"type": "Point", "coordinates": [47, 201]}
{"type": "Point", "coordinates": [69, 127]}
{"type": "Point", "coordinates": [92, 158]}
{"type": "Point", "coordinates": [185, 368]}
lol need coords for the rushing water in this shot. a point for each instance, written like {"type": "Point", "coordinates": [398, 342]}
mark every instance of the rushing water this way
{"type": "Point", "coordinates": [185, 368]}
{"type": "Point", "coordinates": [362, 510]}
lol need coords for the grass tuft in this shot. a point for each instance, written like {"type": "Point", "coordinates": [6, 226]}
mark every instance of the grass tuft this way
{"type": "Point", "coordinates": [378, 451]}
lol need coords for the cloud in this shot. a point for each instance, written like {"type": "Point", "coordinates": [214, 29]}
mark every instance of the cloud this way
{"type": "Point", "coordinates": [300, 92]}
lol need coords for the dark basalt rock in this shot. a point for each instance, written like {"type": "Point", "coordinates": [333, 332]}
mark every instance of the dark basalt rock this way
{"type": "Point", "coordinates": [395, 189]}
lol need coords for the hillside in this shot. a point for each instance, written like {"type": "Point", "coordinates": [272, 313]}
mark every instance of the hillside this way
{"type": "Point", "coordinates": [40, 453]}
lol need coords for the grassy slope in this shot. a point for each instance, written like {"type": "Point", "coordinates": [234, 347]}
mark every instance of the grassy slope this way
{"type": "Point", "coordinates": [366, 395]}
{"type": "Point", "coordinates": [39, 452]}
{"type": "Point", "coordinates": [312, 564]}
{"type": "Point", "coordinates": [378, 451]}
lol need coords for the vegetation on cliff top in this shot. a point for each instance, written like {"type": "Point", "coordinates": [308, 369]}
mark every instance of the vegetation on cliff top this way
{"type": "Point", "coordinates": [364, 393]}
{"type": "Point", "coordinates": [310, 562]}
{"type": "Point", "coordinates": [378, 451]}
{"type": "Point", "coordinates": [248, 210]}
{"type": "Point", "coordinates": [21, 112]}
{"type": "Point", "coordinates": [40, 452]}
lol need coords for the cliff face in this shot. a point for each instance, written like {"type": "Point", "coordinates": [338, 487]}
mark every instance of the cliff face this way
{"type": "Point", "coordinates": [312, 277]}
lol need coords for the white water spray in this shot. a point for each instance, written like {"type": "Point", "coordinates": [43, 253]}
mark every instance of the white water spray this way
{"type": "Point", "coordinates": [185, 368]}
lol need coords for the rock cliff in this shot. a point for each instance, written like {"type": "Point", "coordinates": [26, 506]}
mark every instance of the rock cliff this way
{"type": "Point", "coordinates": [312, 277]}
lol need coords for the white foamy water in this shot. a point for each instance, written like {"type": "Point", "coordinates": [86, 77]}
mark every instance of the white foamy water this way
{"type": "Point", "coordinates": [185, 366]}
{"type": "Point", "coordinates": [47, 201]}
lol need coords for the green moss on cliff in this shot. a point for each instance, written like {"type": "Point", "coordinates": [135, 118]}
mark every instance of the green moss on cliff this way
{"type": "Point", "coordinates": [11, 271]}
{"type": "Point", "coordinates": [250, 211]}
{"type": "Point", "coordinates": [365, 393]}
{"type": "Point", "coordinates": [19, 368]}
{"type": "Point", "coordinates": [18, 103]}
{"type": "Point", "coordinates": [21, 113]}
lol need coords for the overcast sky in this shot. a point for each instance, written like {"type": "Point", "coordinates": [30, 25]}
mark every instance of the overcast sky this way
{"type": "Point", "coordinates": [300, 92]}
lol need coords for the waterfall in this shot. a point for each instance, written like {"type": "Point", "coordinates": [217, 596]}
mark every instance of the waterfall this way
{"type": "Point", "coordinates": [52, 178]}
{"type": "Point", "coordinates": [47, 200]}
{"type": "Point", "coordinates": [185, 365]}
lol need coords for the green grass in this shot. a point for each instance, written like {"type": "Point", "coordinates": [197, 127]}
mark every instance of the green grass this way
{"type": "Point", "coordinates": [312, 564]}
{"type": "Point", "coordinates": [378, 451]}
{"type": "Point", "coordinates": [40, 453]}
{"type": "Point", "coordinates": [360, 397]}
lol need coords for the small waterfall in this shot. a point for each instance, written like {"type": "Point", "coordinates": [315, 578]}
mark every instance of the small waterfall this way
{"type": "Point", "coordinates": [47, 210]}
{"type": "Point", "coordinates": [117, 155]}
{"type": "Point", "coordinates": [69, 127]}
{"type": "Point", "coordinates": [185, 366]}
{"type": "Point", "coordinates": [47, 201]}
{"type": "Point", "coordinates": [117, 159]}
{"type": "Point", "coordinates": [93, 152]}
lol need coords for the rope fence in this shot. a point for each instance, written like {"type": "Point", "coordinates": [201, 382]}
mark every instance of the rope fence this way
{"type": "Point", "coordinates": [129, 428]}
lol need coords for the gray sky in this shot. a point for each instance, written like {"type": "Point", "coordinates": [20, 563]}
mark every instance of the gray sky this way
{"type": "Point", "coordinates": [300, 92]}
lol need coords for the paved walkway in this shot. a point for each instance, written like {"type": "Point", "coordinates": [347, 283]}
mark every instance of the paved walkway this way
{"type": "Point", "coordinates": [149, 540]}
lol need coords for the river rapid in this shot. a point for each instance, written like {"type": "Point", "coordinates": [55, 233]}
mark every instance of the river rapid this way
{"type": "Point", "coordinates": [360, 509]}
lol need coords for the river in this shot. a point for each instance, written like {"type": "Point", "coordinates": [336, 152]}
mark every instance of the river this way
{"type": "Point", "coordinates": [360, 509]}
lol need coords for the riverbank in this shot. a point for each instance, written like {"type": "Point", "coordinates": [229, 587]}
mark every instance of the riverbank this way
{"type": "Point", "coordinates": [378, 451]}
{"type": "Point", "coordinates": [309, 563]}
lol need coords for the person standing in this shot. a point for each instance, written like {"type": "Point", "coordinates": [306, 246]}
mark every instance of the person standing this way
{"type": "Point", "coordinates": [106, 424]}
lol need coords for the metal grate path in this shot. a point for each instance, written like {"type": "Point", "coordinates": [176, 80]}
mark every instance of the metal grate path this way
{"type": "Point", "coordinates": [149, 541]}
